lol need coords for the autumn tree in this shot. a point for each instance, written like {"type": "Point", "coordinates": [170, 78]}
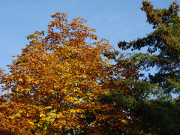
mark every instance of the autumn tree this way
{"type": "Point", "coordinates": [54, 81]}
{"type": "Point", "coordinates": [55, 85]}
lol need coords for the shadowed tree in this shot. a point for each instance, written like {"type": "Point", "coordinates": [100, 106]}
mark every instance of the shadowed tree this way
{"type": "Point", "coordinates": [163, 49]}
{"type": "Point", "coordinates": [159, 116]}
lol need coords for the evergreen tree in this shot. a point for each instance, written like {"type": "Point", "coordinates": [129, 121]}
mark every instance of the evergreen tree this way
{"type": "Point", "coordinates": [159, 116]}
{"type": "Point", "coordinates": [163, 48]}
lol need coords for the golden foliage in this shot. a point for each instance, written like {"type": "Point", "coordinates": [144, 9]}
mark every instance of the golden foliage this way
{"type": "Point", "coordinates": [53, 83]}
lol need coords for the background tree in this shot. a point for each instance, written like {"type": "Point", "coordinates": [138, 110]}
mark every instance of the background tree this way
{"type": "Point", "coordinates": [161, 115]}
{"type": "Point", "coordinates": [163, 48]}
{"type": "Point", "coordinates": [128, 92]}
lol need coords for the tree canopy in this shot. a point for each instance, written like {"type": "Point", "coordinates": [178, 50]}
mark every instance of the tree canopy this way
{"type": "Point", "coordinates": [161, 114]}
{"type": "Point", "coordinates": [55, 85]}
{"type": "Point", "coordinates": [64, 83]}
{"type": "Point", "coordinates": [163, 48]}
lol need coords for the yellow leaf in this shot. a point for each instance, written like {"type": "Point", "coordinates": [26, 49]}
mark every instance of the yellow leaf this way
{"type": "Point", "coordinates": [20, 80]}
{"type": "Point", "coordinates": [124, 121]}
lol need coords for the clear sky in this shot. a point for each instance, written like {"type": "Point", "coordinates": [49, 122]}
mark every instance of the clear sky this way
{"type": "Point", "coordinates": [114, 19]}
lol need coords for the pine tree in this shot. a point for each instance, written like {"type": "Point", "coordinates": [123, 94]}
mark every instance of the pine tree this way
{"type": "Point", "coordinates": [163, 48]}
{"type": "Point", "coordinates": [160, 115]}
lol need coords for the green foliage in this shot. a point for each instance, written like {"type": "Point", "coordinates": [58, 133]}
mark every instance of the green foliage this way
{"type": "Point", "coordinates": [163, 48]}
{"type": "Point", "coordinates": [159, 117]}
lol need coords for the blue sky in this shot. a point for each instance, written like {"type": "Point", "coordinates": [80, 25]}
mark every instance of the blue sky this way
{"type": "Point", "coordinates": [114, 19]}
